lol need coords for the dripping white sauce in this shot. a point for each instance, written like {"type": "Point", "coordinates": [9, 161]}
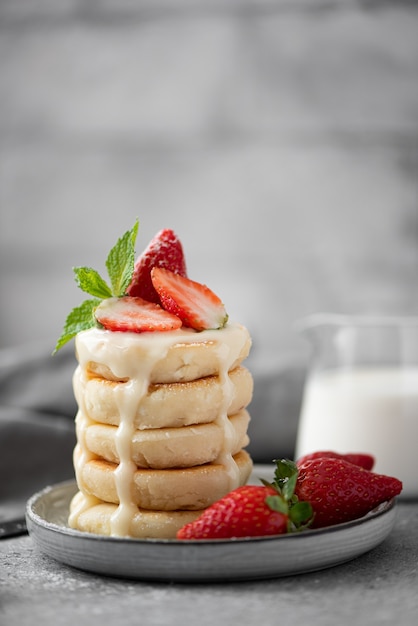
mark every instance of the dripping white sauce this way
{"type": "Point", "coordinates": [132, 358]}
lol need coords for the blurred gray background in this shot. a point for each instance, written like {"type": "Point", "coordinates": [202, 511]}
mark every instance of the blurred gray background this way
{"type": "Point", "coordinates": [277, 138]}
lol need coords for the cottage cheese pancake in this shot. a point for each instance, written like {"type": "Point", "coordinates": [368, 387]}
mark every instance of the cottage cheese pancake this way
{"type": "Point", "coordinates": [143, 524]}
{"type": "Point", "coordinates": [178, 356]}
{"type": "Point", "coordinates": [166, 405]}
{"type": "Point", "coordinates": [189, 488]}
{"type": "Point", "coordinates": [162, 448]}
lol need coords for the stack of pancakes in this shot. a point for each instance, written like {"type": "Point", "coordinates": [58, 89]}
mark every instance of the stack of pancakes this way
{"type": "Point", "coordinates": [161, 427]}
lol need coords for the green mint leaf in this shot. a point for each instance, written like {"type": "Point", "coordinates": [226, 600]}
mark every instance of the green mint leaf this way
{"type": "Point", "coordinates": [91, 282]}
{"type": "Point", "coordinates": [120, 261]}
{"type": "Point", "coordinates": [80, 318]}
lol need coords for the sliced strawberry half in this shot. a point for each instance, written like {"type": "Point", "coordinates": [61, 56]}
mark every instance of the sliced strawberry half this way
{"type": "Point", "coordinates": [164, 250]}
{"type": "Point", "coordinates": [195, 304]}
{"type": "Point", "coordinates": [134, 315]}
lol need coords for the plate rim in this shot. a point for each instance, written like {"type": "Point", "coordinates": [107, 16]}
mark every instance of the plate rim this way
{"type": "Point", "coordinates": [32, 517]}
{"type": "Point", "coordinates": [199, 561]}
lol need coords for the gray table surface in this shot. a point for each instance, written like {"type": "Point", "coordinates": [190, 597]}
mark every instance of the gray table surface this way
{"type": "Point", "coordinates": [376, 588]}
{"type": "Point", "coordinates": [172, 110]}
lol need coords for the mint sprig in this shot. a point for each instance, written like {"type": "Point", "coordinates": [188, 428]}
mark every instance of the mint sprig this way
{"type": "Point", "coordinates": [120, 266]}
{"type": "Point", "coordinates": [300, 514]}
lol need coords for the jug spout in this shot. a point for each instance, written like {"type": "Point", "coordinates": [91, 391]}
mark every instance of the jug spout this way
{"type": "Point", "coordinates": [319, 322]}
{"type": "Point", "coordinates": [320, 329]}
{"type": "Point", "coordinates": [316, 329]}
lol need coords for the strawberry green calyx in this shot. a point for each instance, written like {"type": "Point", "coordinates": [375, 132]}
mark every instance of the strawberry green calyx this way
{"type": "Point", "coordinates": [300, 514]}
{"type": "Point", "coordinates": [120, 266]}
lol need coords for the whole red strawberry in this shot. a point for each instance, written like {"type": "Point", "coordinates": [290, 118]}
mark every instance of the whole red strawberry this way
{"type": "Point", "coordinates": [241, 513]}
{"type": "Point", "coordinates": [340, 491]}
{"type": "Point", "coordinates": [164, 250]}
{"type": "Point", "coordinates": [253, 510]}
{"type": "Point", "coordinates": [357, 458]}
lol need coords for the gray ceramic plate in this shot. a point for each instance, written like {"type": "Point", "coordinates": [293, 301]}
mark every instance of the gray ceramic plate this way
{"type": "Point", "coordinates": [199, 561]}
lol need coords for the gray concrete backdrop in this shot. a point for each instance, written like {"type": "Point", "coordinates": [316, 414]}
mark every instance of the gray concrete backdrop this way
{"type": "Point", "coordinates": [279, 139]}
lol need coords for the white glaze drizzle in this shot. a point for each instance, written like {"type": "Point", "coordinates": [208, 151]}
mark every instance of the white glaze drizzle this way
{"type": "Point", "coordinates": [135, 366]}
{"type": "Point", "coordinates": [81, 453]}
{"type": "Point", "coordinates": [226, 357]}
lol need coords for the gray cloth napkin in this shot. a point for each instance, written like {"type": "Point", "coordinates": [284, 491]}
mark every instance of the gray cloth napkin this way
{"type": "Point", "coordinates": [37, 438]}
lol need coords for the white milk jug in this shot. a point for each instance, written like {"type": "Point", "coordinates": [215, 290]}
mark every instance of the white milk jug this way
{"type": "Point", "coordinates": [361, 392]}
